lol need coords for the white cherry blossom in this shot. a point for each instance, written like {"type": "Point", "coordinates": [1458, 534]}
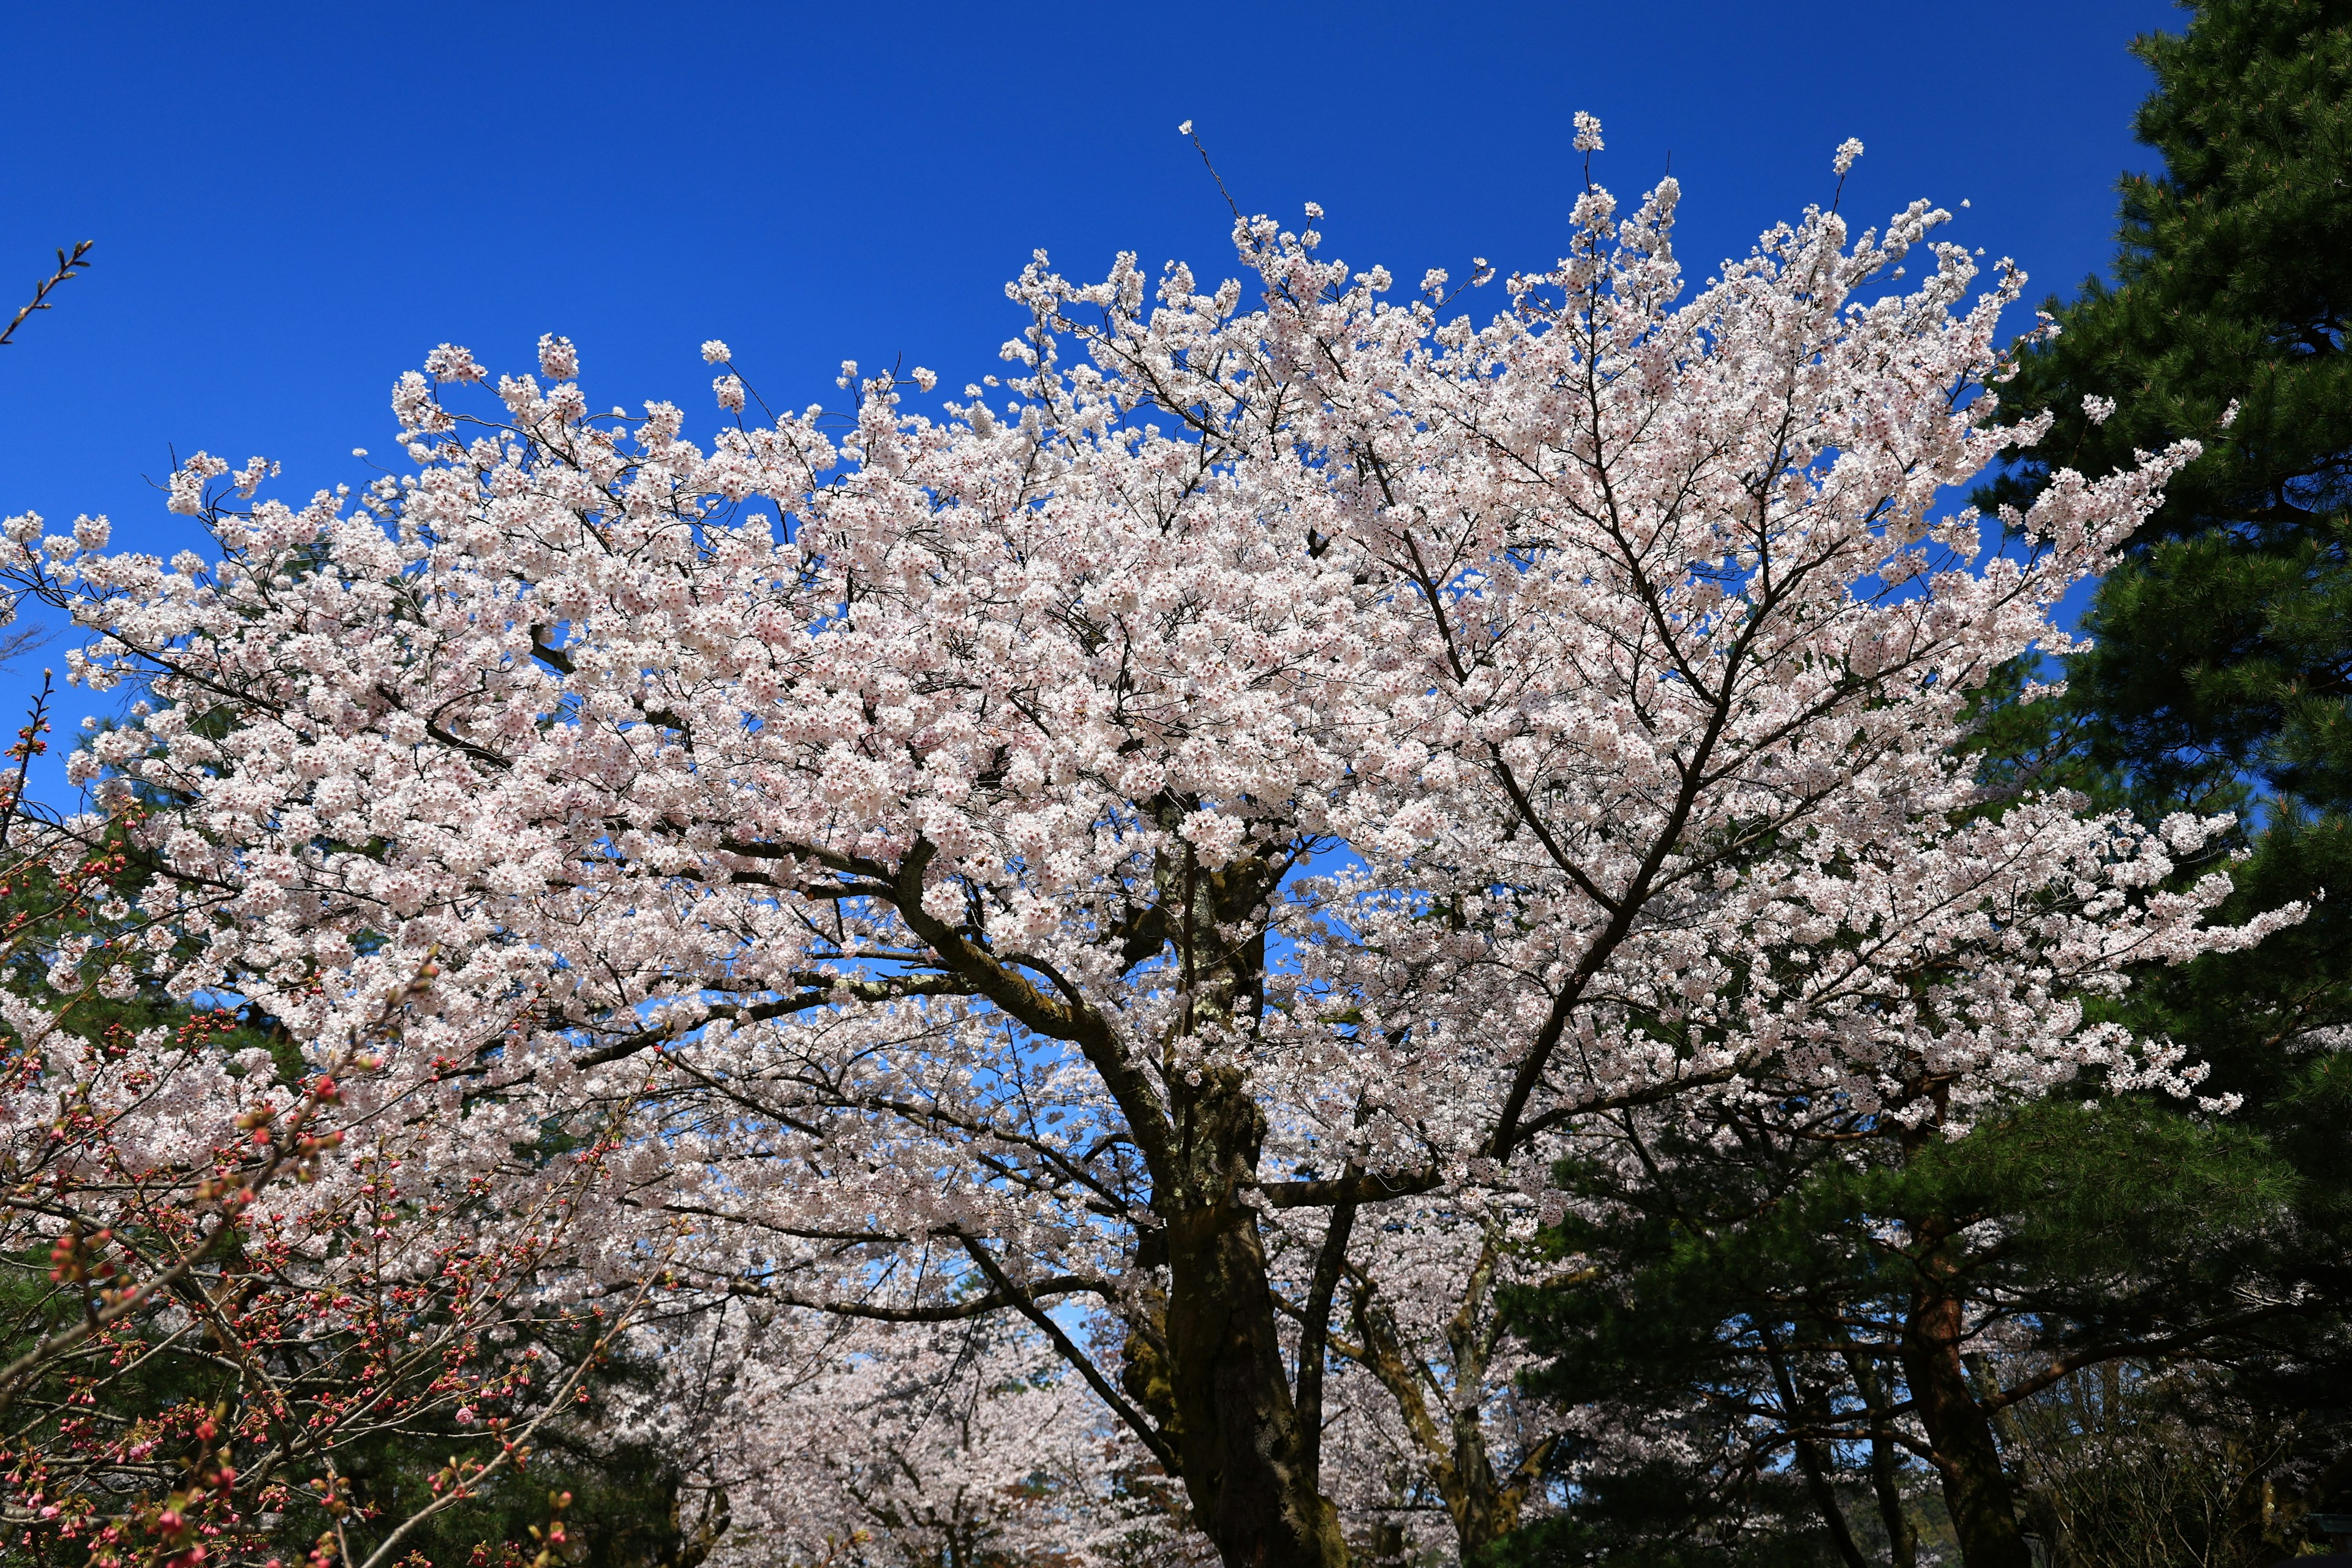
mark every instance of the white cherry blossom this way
{"type": "Point", "coordinates": [1151, 868]}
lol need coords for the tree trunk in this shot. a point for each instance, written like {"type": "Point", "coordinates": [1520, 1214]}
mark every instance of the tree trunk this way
{"type": "Point", "coordinates": [1238, 1435]}
{"type": "Point", "coordinates": [1976, 1489]}
{"type": "Point", "coordinates": [1212, 1375]}
{"type": "Point", "coordinates": [1484, 1507]}
{"type": "Point", "coordinates": [1236, 1431]}
{"type": "Point", "coordinates": [1802, 1406]}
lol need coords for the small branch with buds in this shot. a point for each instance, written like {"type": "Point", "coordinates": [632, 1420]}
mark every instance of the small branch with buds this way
{"type": "Point", "coordinates": [67, 266]}
{"type": "Point", "coordinates": [290, 1147]}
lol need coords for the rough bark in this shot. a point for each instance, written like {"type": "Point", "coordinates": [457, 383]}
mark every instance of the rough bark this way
{"type": "Point", "coordinates": [1238, 1436]}
{"type": "Point", "coordinates": [1245, 1460]}
{"type": "Point", "coordinates": [1484, 1506]}
{"type": "Point", "coordinates": [1968, 1459]}
{"type": "Point", "coordinates": [1205, 1384]}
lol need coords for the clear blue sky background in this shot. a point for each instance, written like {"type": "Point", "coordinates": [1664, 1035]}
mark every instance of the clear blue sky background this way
{"type": "Point", "coordinates": [293, 202]}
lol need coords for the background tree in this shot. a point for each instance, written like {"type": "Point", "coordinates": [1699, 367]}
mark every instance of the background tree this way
{"type": "Point", "coordinates": [2223, 647]}
{"type": "Point", "coordinates": [1845, 1308]}
{"type": "Point", "coordinates": [2218, 679]}
{"type": "Point", "coordinates": [2222, 664]}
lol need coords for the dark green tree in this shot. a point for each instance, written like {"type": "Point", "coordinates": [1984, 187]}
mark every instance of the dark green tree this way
{"type": "Point", "coordinates": [2220, 680]}
{"type": "Point", "coordinates": [2222, 670]}
{"type": "Point", "coordinates": [1822, 1301]}
{"type": "Point", "coordinates": [2223, 663]}
{"type": "Point", "coordinates": [2225, 641]}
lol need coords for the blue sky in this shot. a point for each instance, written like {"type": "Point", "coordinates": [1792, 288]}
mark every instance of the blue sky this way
{"type": "Point", "coordinates": [293, 203]}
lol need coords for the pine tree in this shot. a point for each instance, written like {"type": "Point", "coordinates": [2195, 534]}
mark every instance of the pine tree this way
{"type": "Point", "coordinates": [2222, 670]}
{"type": "Point", "coordinates": [2221, 675]}
{"type": "Point", "coordinates": [2225, 645]}
{"type": "Point", "coordinates": [1785, 1290]}
{"type": "Point", "coordinates": [2223, 662]}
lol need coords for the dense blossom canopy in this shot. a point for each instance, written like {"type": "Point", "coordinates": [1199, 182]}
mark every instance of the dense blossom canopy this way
{"type": "Point", "coordinates": [1163, 852]}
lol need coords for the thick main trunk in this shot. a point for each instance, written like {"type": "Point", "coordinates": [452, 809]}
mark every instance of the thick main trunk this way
{"type": "Point", "coordinates": [1238, 1436]}
{"type": "Point", "coordinates": [1976, 1489]}
{"type": "Point", "coordinates": [1213, 1374]}
{"type": "Point", "coordinates": [1225, 1393]}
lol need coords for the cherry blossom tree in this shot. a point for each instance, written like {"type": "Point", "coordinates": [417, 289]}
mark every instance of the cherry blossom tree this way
{"type": "Point", "coordinates": [1164, 854]}
{"type": "Point", "coordinates": [228, 1274]}
{"type": "Point", "coordinates": [915, 1444]}
{"type": "Point", "coordinates": [229, 1277]}
{"type": "Point", "coordinates": [1432, 1425]}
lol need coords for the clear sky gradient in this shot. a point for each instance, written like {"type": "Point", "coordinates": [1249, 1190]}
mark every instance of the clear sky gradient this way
{"type": "Point", "coordinates": [293, 203]}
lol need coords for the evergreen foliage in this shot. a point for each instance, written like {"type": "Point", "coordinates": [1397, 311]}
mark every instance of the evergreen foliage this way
{"type": "Point", "coordinates": [2223, 662]}
{"type": "Point", "coordinates": [2225, 647]}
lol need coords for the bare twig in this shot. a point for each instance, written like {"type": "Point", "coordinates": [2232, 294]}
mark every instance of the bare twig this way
{"type": "Point", "coordinates": [66, 267]}
{"type": "Point", "coordinates": [18, 641]}
{"type": "Point", "coordinates": [28, 746]}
